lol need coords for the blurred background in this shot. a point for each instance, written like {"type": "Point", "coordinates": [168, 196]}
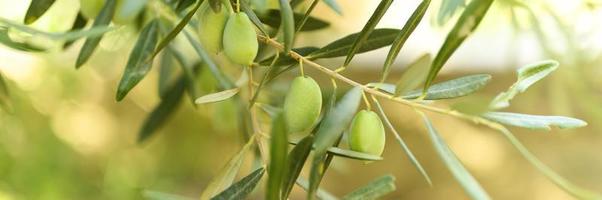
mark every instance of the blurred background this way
{"type": "Point", "coordinates": [65, 137]}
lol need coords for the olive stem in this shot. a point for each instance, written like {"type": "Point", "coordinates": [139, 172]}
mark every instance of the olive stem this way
{"type": "Point", "coordinates": [301, 68]}
{"type": "Point", "coordinates": [368, 105]}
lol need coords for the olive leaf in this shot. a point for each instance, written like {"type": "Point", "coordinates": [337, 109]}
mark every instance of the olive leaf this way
{"type": "Point", "coordinates": [382, 8]}
{"type": "Point", "coordinates": [321, 193]}
{"type": "Point", "coordinates": [94, 31]}
{"type": "Point", "coordinates": [78, 24]}
{"type": "Point", "coordinates": [403, 35]}
{"type": "Point", "coordinates": [527, 76]}
{"type": "Point", "coordinates": [377, 39]}
{"type": "Point", "coordinates": [162, 112]}
{"type": "Point", "coordinates": [534, 121]}
{"type": "Point", "coordinates": [352, 154]}
{"type": "Point", "coordinates": [466, 180]}
{"type": "Point", "coordinates": [286, 59]}
{"type": "Point", "coordinates": [287, 24]}
{"type": "Point", "coordinates": [453, 88]}
{"type": "Point", "coordinates": [296, 160]}
{"type": "Point", "coordinates": [36, 9]}
{"type": "Point", "coordinates": [216, 5]}
{"type": "Point", "coordinates": [137, 67]}
{"type": "Point", "coordinates": [166, 71]}
{"type": "Point", "coordinates": [226, 175]}
{"type": "Point", "coordinates": [329, 132]}
{"type": "Point", "coordinates": [217, 97]}
{"type": "Point", "coordinates": [332, 4]}
{"type": "Point", "coordinates": [4, 95]}
{"type": "Point", "coordinates": [402, 143]}
{"type": "Point", "coordinates": [242, 188]}
{"type": "Point", "coordinates": [176, 30]}
{"type": "Point", "coordinates": [300, 23]}
{"type": "Point", "coordinates": [467, 23]}
{"type": "Point", "coordinates": [21, 46]}
{"type": "Point", "coordinates": [448, 9]}
{"type": "Point", "coordinates": [278, 157]}
{"type": "Point", "coordinates": [183, 4]}
{"type": "Point", "coordinates": [414, 75]}
{"type": "Point", "coordinates": [103, 19]}
{"type": "Point", "coordinates": [252, 16]}
{"type": "Point", "coordinates": [218, 74]}
{"type": "Point", "coordinates": [376, 189]}
{"type": "Point", "coordinates": [272, 19]}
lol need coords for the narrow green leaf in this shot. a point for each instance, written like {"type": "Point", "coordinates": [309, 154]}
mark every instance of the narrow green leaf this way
{"type": "Point", "coordinates": [300, 23]}
{"type": "Point", "coordinates": [352, 154]}
{"type": "Point", "coordinates": [4, 94]}
{"type": "Point", "coordinates": [252, 16]}
{"type": "Point", "coordinates": [401, 38]}
{"type": "Point", "coordinates": [183, 4]}
{"type": "Point", "coordinates": [216, 5]}
{"type": "Point", "coordinates": [66, 36]}
{"type": "Point", "coordinates": [468, 22]}
{"type": "Point", "coordinates": [569, 187]}
{"type": "Point", "coordinates": [285, 59]}
{"type": "Point", "coordinates": [448, 9]}
{"type": "Point", "coordinates": [414, 75]}
{"type": "Point", "coordinates": [278, 158]}
{"type": "Point", "coordinates": [329, 132]}
{"type": "Point", "coordinates": [21, 46]}
{"type": "Point", "coordinates": [321, 193]}
{"type": "Point", "coordinates": [226, 175]}
{"type": "Point", "coordinates": [242, 188]}
{"type": "Point", "coordinates": [162, 112]}
{"type": "Point", "coordinates": [367, 30]}
{"type": "Point", "coordinates": [166, 70]}
{"type": "Point", "coordinates": [103, 19]}
{"type": "Point", "coordinates": [272, 19]}
{"type": "Point", "coordinates": [137, 67]}
{"type": "Point", "coordinates": [79, 23]}
{"type": "Point", "coordinates": [402, 143]}
{"type": "Point", "coordinates": [527, 76]}
{"type": "Point", "coordinates": [466, 180]}
{"type": "Point", "coordinates": [534, 121]}
{"type": "Point", "coordinates": [217, 97]}
{"type": "Point", "coordinates": [176, 30]}
{"type": "Point", "coordinates": [377, 188]}
{"type": "Point", "coordinates": [332, 4]}
{"type": "Point", "coordinates": [219, 75]}
{"type": "Point", "coordinates": [377, 39]}
{"type": "Point", "coordinates": [36, 9]}
{"type": "Point", "coordinates": [296, 160]}
{"type": "Point", "coordinates": [453, 88]}
{"type": "Point", "coordinates": [287, 24]}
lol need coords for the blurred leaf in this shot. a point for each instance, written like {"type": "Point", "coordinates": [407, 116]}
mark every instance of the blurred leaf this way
{"type": "Point", "coordinates": [216, 97]}
{"type": "Point", "coordinates": [572, 189]}
{"type": "Point", "coordinates": [272, 19]}
{"type": "Point", "coordinates": [367, 30]}
{"type": "Point", "coordinates": [330, 130]}
{"type": "Point", "coordinates": [189, 72]}
{"type": "Point", "coordinates": [22, 46]}
{"type": "Point", "coordinates": [448, 9]}
{"type": "Point", "coordinates": [103, 19]}
{"type": "Point", "coordinates": [300, 23]}
{"type": "Point", "coordinates": [278, 157]}
{"type": "Point", "coordinates": [223, 81]}
{"type": "Point", "coordinates": [296, 160]}
{"type": "Point", "coordinates": [378, 38]}
{"type": "Point", "coordinates": [473, 105]}
{"type": "Point", "coordinates": [216, 5]}
{"type": "Point", "coordinates": [401, 38]}
{"type": "Point", "coordinates": [287, 24]}
{"type": "Point", "coordinates": [527, 76]}
{"type": "Point", "coordinates": [4, 94]}
{"type": "Point", "coordinates": [453, 88]}
{"type": "Point", "coordinates": [269, 109]}
{"type": "Point", "coordinates": [402, 143]}
{"type": "Point", "coordinates": [534, 121]}
{"type": "Point", "coordinates": [36, 9]}
{"type": "Point", "coordinates": [66, 36]}
{"type": "Point", "coordinates": [155, 195]}
{"type": "Point", "coordinates": [466, 180]}
{"type": "Point", "coordinates": [226, 175]}
{"type": "Point", "coordinates": [137, 67]}
{"type": "Point", "coordinates": [414, 75]}
{"type": "Point", "coordinates": [374, 190]}
{"type": "Point", "coordinates": [165, 71]}
{"type": "Point", "coordinates": [468, 22]}
{"type": "Point", "coordinates": [183, 4]}
{"type": "Point", "coordinates": [162, 112]}
{"type": "Point", "coordinates": [384, 87]}
{"type": "Point", "coordinates": [242, 188]}
{"type": "Point", "coordinates": [352, 154]}
{"type": "Point", "coordinates": [321, 193]}
{"type": "Point", "coordinates": [79, 23]}
{"type": "Point", "coordinates": [252, 16]}
{"type": "Point", "coordinates": [176, 30]}
{"type": "Point", "coordinates": [332, 4]}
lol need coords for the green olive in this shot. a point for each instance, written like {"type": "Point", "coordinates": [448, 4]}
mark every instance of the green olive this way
{"type": "Point", "coordinates": [303, 104]}
{"type": "Point", "coordinates": [91, 8]}
{"type": "Point", "coordinates": [127, 10]}
{"type": "Point", "coordinates": [240, 39]}
{"type": "Point", "coordinates": [367, 133]}
{"type": "Point", "coordinates": [211, 28]}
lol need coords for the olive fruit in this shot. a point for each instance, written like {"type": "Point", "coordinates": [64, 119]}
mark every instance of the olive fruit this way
{"type": "Point", "coordinates": [211, 28]}
{"type": "Point", "coordinates": [367, 133]}
{"type": "Point", "coordinates": [240, 39]}
{"type": "Point", "coordinates": [303, 104]}
{"type": "Point", "coordinates": [91, 8]}
{"type": "Point", "coordinates": [126, 11]}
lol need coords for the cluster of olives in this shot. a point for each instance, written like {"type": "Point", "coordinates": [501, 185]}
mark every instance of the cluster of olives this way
{"type": "Point", "coordinates": [302, 107]}
{"type": "Point", "coordinates": [229, 31]}
{"type": "Point", "coordinates": [126, 11]}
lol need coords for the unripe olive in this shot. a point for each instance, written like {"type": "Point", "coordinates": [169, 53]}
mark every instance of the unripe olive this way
{"type": "Point", "coordinates": [240, 39]}
{"type": "Point", "coordinates": [211, 28]}
{"type": "Point", "coordinates": [126, 11]}
{"type": "Point", "coordinates": [303, 104]}
{"type": "Point", "coordinates": [91, 8]}
{"type": "Point", "coordinates": [367, 133]}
